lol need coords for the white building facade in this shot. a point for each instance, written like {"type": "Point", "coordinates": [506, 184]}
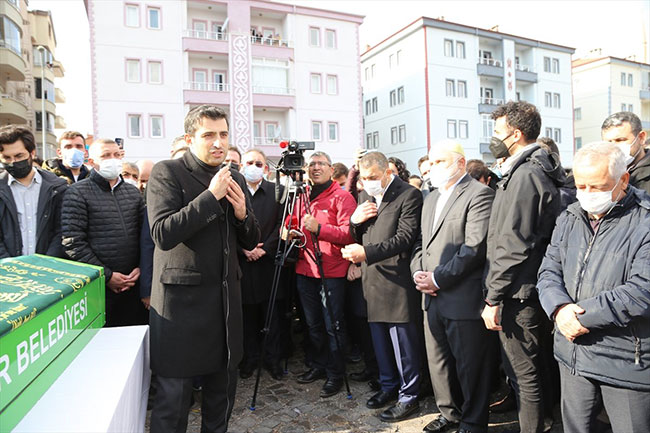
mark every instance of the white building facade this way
{"type": "Point", "coordinates": [606, 85]}
{"type": "Point", "coordinates": [434, 80]}
{"type": "Point", "coordinates": [280, 71]}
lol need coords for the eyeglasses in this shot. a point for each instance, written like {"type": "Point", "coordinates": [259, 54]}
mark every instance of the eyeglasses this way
{"type": "Point", "coordinates": [318, 164]}
{"type": "Point", "coordinates": [258, 164]}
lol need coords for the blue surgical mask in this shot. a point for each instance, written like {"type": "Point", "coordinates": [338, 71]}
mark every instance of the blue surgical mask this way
{"type": "Point", "coordinates": [73, 158]}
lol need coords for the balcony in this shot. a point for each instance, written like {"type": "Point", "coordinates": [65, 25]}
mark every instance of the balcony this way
{"type": "Point", "coordinates": [206, 93]}
{"type": "Point", "coordinates": [488, 105]}
{"type": "Point", "coordinates": [269, 47]}
{"type": "Point", "coordinates": [59, 122]}
{"type": "Point", "coordinates": [645, 124]}
{"type": "Point", "coordinates": [274, 97]}
{"type": "Point", "coordinates": [489, 67]}
{"type": "Point", "coordinates": [49, 75]}
{"type": "Point", "coordinates": [644, 93]}
{"type": "Point", "coordinates": [525, 73]}
{"type": "Point", "coordinates": [11, 63]}
{"type": "Point", "coordinates": [11, 11]}
{"type": "Point", "coordinates": [57, 69]}
{"type": "Point", "coordinates": [12, 110]}
{"type": "Point", "coordinates": [50, 107]}
{"type": "Point", "coordinates": [204, 41]}
{"type": "Point", "coordinates": [59, 97]}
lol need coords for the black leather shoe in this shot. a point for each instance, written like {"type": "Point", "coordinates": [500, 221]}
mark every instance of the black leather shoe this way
{"type": "Point", "coordinates": [362, 376]}
{"type": "Point", "coordinates": [311, 376]}
{"type": "Point", "coordinates": [381, 399]}
{"type": "Point", "coordinates": [246, 371]}
{"type": "Point", "coordinates": [400, 411]}
{"type": "Point", "coordinates": [275, 371]}
{"type": "Point", "coordinates": [439, 424]}
{"type": "Point", "coordinates": [374, 385]}
{"type": "Point", "coordinates": [331, 387]}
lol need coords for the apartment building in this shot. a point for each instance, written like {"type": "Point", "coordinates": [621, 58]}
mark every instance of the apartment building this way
{"type": "Point", "coordinates": [280, 71]}
{"type": "Point", "coordinates": [26, 39]}
{"type": "Point", "coordinates": [606, 85]}
{"type": "Point", "coordinates": [435, 79]}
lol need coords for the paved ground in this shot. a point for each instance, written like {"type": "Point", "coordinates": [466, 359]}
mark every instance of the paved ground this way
{"type": "Point", "coordinates": [288, 407]}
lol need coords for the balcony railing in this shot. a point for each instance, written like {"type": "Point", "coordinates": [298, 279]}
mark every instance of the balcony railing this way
{"type": "Point", "coordinates": [204, 34]}
{"type": "Point", "coordinates": [524, 68]}
{"type": "Point", "coordinates": [490, 62]}
{"type": "Point", "coordinates": [207, 87]}
{"type": "Point", "coordinates": [267, 141]}
{"type": "Point", "coordinates": [271, 41]}
{"type": "Point", "coordinates": [270, 90]}
{"type": "Point", "coordinates": [490, 101]}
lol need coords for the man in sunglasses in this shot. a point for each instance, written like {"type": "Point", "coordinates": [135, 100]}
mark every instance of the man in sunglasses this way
{"type": "Point", "coordinates": [624, 129]}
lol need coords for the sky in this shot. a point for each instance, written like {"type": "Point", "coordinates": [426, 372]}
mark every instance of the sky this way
{"type": "Point", "coordinates": [616, 27]}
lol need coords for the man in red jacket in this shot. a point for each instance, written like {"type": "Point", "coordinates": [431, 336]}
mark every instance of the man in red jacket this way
{"type": "Point", "coordinates": [329, 219]}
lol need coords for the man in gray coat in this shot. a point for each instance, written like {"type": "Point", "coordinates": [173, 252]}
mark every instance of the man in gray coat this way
{"type": "Point", "coordinates": [594, 283]}
{"type": "Point", "coordinates": [199, 214]}
{"type": "Point", "coordinates": [447, 267]}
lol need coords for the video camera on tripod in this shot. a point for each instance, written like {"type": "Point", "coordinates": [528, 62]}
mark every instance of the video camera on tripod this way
{"type": "Point", "coordinates": [293, 159]}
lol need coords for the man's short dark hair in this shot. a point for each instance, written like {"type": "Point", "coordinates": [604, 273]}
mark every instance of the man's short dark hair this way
{"type": "Point", "coordinates": [477, 169]}
{"type": "Point", "coordinates": [617, 119]}
{"type": "Point", "coordinates": [71, 135]}
{"type": "Point", "coordinates": [196, 114]}
{"type": "Point", "coordinates": [521, 115]}
{"type": "Point", "coordinates": [11, 133]}
{"type": "Point", "coordinates": [421, 160]}
{"type": "Point", "coordinates": [548, 144]}
{"type": "Point", "coordinates": [371, 159]}
{"type": "Point", "coordinates": [234, 149]}
{"type": "Point", "coordinates": [339, 170]}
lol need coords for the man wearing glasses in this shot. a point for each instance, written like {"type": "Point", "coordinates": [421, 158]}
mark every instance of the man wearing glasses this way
{"type": "Point", "coordinates": [329, 215]}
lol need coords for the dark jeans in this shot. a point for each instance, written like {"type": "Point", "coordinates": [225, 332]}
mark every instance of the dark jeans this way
{"type": "Point", "coordinates": [357, 321]}
{"type": "Point", "coordinates": [520, 344]}
{"type": "Point", "coordinates": [583, 399]}
{"type": "Point", "coordinates": [321, 332]}
{"type": "Point", "coordinates": [171, 404]}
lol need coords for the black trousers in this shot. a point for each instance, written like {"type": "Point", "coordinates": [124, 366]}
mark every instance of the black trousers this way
{"type": "Point", "coordinates": [254, 319]}
{"type": "Point", "coordinates": [583, 399]}
{"type": "Point", "coordinates": [460, 365]}
{"type": "Point", "coordinates": [171, 404]}
{"type": "Point", "coordinates": [356, 315]}
{"type": "Point", "coordinates": [520, 345]}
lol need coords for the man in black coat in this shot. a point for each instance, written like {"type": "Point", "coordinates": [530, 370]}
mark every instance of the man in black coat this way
{"type": "Point", "coordinates": [525, 207]}
{"type": "Point", "coordinates": [198, 214]}
{"type": "Point", "coordinates": [386, 225]}
{"type": "Point", "coordinates": [447, 267]}
{"type": "Point", "coordinates": [258, 267]}
{"type": "Point", "coordinates": [100, 223]}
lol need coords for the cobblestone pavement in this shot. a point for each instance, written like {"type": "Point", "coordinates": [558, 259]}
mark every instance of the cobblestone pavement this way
{"type": "Point", "coordinates": [288, 407]}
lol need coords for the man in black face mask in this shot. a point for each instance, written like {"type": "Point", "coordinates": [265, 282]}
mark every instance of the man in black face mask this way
{"type": "Point", "coordinates": [30, 199]}
{"type": "Point", "coordinates": [526, 204]}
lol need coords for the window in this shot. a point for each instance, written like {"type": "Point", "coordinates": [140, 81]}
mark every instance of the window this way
{"type": "Point", "coordinates": [623, 80]}
{"type": "Point", "coordinates": [333, 131]}
{"type": "Point", "coordinates": [402, 133]}
{"type": "Point", "coordinates": [400, 95]}
{"type": "Point", "coordinates": [368, 141]}
{"type": "Point", "coordinates": [393, 98]}
{"type": "Point", "coordinates": [133, 70]}
{"type": "Point", "coordinates": [367, 74]}
{"type": "Point", "coordinates": [270, 130]}
{"type": "Point", "coordinates": [391, 61]}
{"type": "Point", "coordinates": [132, 15]}
{"type": "Point", "coordinates": [374, 105]}
{"type": "Point", "coordinates": [630, 80]}
{"type": "Point", "coordinates": [460, 49]}
{"type": "Point", "coordinates": [315, 131]}
{"type": "Point", "coordinates": [156, 126]}
{"type": "Point", "coordinates": [49, 89]}
{"type": "Point", "coordinates": [219, 80]}
{"type": "Point", "coordinates": [577, 114]}
{"type": "Point", "coordinates": [134, 126]}
{"type": "Point", "coordinates": [630, 108]}
{"type": "Point", "coordinates": [200, 79]}
{"type": "Point", "coordinates": [556, 100]}
{"type": "Point", "coordinates": [200, 29]}
{"type": "Point", "coordinates": [449, 48]}
{"type": "Point", "coordinates": [314, 36]}
{"type": "Point", "coordinates": [375, 139]}
{"type": "Point", "coordinates": [462, 89]}
{"type": "Point", "coordinates": [330, 38]}
{"type": "Point", "coordinates": [547, 64]}
{"type": "Point", "coordinates": [398, 56]}
{"type": "Point", "coordinates": [548, 132]}
{"type": "Point", "coordinates": [463, 128]}
{"type": "Point", "coordinates": [518, 96]}
{"type": "Point", "coordinates": [49, 121]}
{"type": "Point", "coordinates": [623, 107]}
{"type": "Point", "coordinates": [450, 87]}
{"type": "Point", "coordinates": [315, 83]}
{"type": "Point", "coordinates": [556, 66]}
{"type": "Point", "coordinates": [154, 72]}
{"type": "Point", "coordinates": [332, 85]}
{"type": "Point", "coordinates": [548, 99]}
{"type": "Point", "coordinates": [487, 94]}
{"type": "Point", "coordinates": [451, 129]}
{"type": "Point", "coordinates": [393, 135]}
{"type": "Point", "coordinates": [557, 135]}
{"type": "Point", "coordinates": [578, 143]}
{"type": "Point", "coordinates": [256, 131]}
{"type": "Point", "coordinates": [372, 71]}
{"type": "Point", "coordinates": [368, 107]}
{"type": "Point", "coordinates": [153, 18]}
{"type": "Point", "coordinates": [488, 126]}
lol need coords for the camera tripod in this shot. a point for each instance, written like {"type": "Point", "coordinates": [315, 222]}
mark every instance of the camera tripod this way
{"type": "Point", "coordinates": [295, 192]}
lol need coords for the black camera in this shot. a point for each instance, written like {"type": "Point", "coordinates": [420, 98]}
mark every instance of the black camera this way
{"type": "Point", "coordinates": [293, 159]}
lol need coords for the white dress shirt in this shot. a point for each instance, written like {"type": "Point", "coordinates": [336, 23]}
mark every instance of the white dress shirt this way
{"type": "Point", "coordinates": [26, 198]}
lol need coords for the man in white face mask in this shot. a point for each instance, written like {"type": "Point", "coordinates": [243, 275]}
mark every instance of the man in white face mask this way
{"type": "Point", "coordinates": [594, 282]}
{"type": "Point", "coordinates": [100, 223]}
{"type": "Point", "coordinates": [624, 129]}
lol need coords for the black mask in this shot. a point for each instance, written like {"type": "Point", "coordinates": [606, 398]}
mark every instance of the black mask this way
{"type": "Point", "coordinates": [19, 169]}
{"type": "Point", "coordinates": [498, 148]}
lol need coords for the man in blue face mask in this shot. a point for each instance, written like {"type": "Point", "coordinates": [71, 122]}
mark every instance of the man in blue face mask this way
{"type": "Point", "coordinates": [594, 283]}
{"type": "Point", "coordinates": [71, 156]}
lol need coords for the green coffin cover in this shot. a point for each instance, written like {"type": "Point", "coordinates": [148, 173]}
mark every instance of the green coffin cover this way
{"type": "Point", "coordinates": [49, 309]}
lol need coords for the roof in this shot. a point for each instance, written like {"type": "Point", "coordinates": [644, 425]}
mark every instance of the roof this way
{"type": "Point", "coordinates": [580, 62]}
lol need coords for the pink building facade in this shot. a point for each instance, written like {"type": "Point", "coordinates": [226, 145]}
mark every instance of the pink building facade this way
{"type": "Point", "coordinates": [281, 71]}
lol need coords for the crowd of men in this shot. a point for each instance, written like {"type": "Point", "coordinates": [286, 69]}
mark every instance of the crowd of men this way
{"type": "Point", "coordinates": [439, 282]}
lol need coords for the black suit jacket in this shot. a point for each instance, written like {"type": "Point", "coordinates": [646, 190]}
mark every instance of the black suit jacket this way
{"type": "Point", "coordinates": [195, 316]}
{"type": "Point", "coordinates": [454, 248]}
{"type": "Point", "coordinates": [388, 239]}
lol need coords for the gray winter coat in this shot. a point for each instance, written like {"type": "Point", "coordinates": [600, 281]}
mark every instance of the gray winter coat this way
{"type": "Point", "coordinates": [608, 275]}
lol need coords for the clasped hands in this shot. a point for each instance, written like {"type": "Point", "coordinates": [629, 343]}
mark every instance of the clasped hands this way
{"type": "Point", "coordinates": [424, 283]}
{"type": "Point", "coordinates": [223, 185]}
{"type": "Point", "coordinates": [121, 283]}
{"type": "Point", "coordinates": [254, 254]}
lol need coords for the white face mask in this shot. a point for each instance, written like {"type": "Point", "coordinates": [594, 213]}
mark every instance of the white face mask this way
{"type": "Point", "coordinates": [72, 157]}
{"type": "Point", "coordinates": [597, 202]}
{"type": "Point", "coordinates": [110, 168]}
{"type": "Point", "coordinates": [131, 182]}
{"type": "Point", "coordinates": [441, 176]}
{"type": "Point", "coordinates": [626, 148]}
{"type": "Point", "coordinates": [373, 187]}
{"type": "Point", "coordinates": [253, 173]}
